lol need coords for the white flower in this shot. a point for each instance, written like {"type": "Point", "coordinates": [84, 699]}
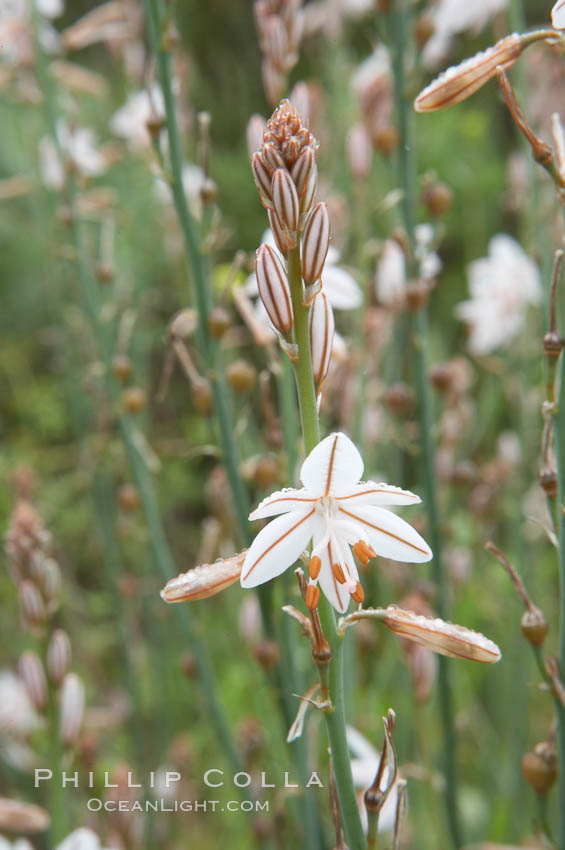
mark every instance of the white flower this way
{"type": "Point", "coordinates": [21, 844]}
{"type": "Point", "coordinates": [336, 511]}
{"type": "Point", "coordinates": [451, 17]}
{"type": "Point", "coordinates": [17, 714]}
{"type": "Point", "coordinates": [192, 181]}
{"type": "Point", "coordinates": [390, 277]}
{"type": "Point", "coordinates": [373, 71]}
{"type": "Point", "coordinates": [130, 121]}
{"type": "Point", "coordinates": [76, 143]}
{"type": "Point", "coordinates": [558, 15]}
{"type": "Point", "coordinates": [364, 768]}
{"type": "Point", "coordinates": [81, 839]}
{"type": "Point", "coordinates": [502, 286]}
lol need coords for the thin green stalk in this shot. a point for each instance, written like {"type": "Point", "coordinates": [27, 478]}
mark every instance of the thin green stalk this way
{"type": "Point", "coordinates": [408, 183]}
{"type": "Point", "coordinates": [559, 707]}
{"type": "Point", "coordinates": [335, 717]}
{"type": "Point", "coordinates": [197, 262]}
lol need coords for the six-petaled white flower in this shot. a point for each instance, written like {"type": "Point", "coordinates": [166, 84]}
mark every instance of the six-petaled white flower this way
{"type": "Point", "coordinates": [339, 513]}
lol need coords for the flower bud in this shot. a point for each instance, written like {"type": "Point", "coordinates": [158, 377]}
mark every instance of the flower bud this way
{"type": "Point", "coordinates": [315, 243]}
{"type": "Point", "coordinates": [273, 82]}
{"type": "Point", "coordinates": [219, 321]}
{"type": "Point", "coordinates": [22, 819]}
{"type": "Point", "coordinates": [255, 129]}
{"type": "Point", "coordinates": [267, 653]}
{"type": "Point", "coordinates": [49, 579]}
{"type": "Point", "coordinates": [31, 603]}
{"type": "Point", "coordinates": [202, 397]}
{"type": "Point", "coordinates": [443, 638]}
{"type": "Point", "coordinates": [275, 41]}
{"type": "Point", "coordinates": [128, 498]}
{"type": "Point", "coordinates": [262, 178]}
{"type": "Point", "coordinates": [204, 581]}
{"type": "Point", "coordinates": [285, 199]}
{"type": "Point", "coordinates": [71, 710]}
{"type": "Point", "coordinates": [461, 81]}
{"type": "Point", "coordinates": [438, 198]}
{"type": "Point", "coordinates": [32, 674]}
{"type": "Point", "coordinates": [547, 478]}
{"type": "Point", "coordinates": [272, 157]}
{"type": "Point", "coordinates": [308, 198]}
{"type": "Point", "coordinates": [58, 655]}
{"type": "Point", "coordinates": [183, 324]}
{"type": "Point", "coordinates": [302, 171]}
{"type": "Point", "coordinates": [359, 152]}
{"type": "Point", "coordinates": [274, 289]}
{"type": "Point", "coordinates": [534, 625]}
{"type": "Point", "coordinates": [322, 329]}
{"type": "Point", "coordinates": [285, 242]}
{"type": "Point", "coordinates": [539, 767]}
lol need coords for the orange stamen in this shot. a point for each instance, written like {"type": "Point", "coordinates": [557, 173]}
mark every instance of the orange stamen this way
{"type": "Point", "coordinates": [358, 594]}
{"type": "Point", "coordinates": [312, 596]}
{"type": "Point", "coordinates": [315, 567]}
{"type": "Point", "coordinates": [338, 573]}
{"type": "Point", "coordinates": [364, 551]}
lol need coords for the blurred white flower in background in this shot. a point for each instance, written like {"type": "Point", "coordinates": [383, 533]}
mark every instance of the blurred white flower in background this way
{"type": "Point", "coordinates": [80, 839]}
{"type": "Point", "coordinates": [21, 844]}
{"type": "Point", "coordinates": [390, 276]}
{"type": "Point", "coordinates": [16, 32]}
{"type": "Point", "coordinates": [450, 17]}
{"type": "Point", "coordinates": [502, 286]}
{"type": "Point", "coordinates": [78, 145]}
{"type": "Point", "coordinates": [129, 122]}
{"type": "Point", "coordinates": [193, 179]}
{"type": "Point", "coordinates": [364, 766]}
{"type": "Point", "coordinates": [17, 714]}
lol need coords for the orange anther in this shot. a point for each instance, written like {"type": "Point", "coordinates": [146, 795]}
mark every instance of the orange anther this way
{"type": "Point", "coordinates": [315, 567]}
{"type": "Point", "coordinates": [338, 573]}
{"type": "Point", "coordinates": [358, 595]}
{"type": "Point", "coordinates": [312, 596]}
{"type": "Point", "coordinates": [363, 551]}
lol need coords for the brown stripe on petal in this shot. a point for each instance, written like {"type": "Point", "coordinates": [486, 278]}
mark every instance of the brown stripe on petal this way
{"type": "Point", "coordinates": [331, 467]}
{"type": "Point", "coordinates": [205, 580]}
{"type": "Point", "coordinates": [461, 81]}
{"type": "Point", "coordinates": [322, 328]}
{"type": "Point", "coordinates": [285, 199]}
{"type": "Point", "coordinates": [262, 178]}
{"type": "Point", "coordinates": [384, 531]}
{"type": "Point", "coordinates": [302, 170]}
{"type": "Point", "coordinates": [276, 543]}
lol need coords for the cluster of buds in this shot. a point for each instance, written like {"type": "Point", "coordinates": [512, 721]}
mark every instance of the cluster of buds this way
{"type": "Point", "coordinates": [36, 573]}
{"type": "Point", "coordinates": [286, 176]}
{"type": "Point", "coordinates": [279, 26]}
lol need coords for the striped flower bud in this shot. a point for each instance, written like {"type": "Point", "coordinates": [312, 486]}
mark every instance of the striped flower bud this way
{"type": "Point", "coordinates": [58, 655]}
{"type": "Point", "coordinates": [441, 637]}
{"type": "Point", "coordinates": [255, 129]}
{"type": "Point", "coordinates": [22, 819]}
{"type": "Point", "coordinates": [322, 329]}
{"type": "Point", "coordinates": [31, 602]}
{"type": "Point", "coordinates": [262, 178]}
{"type": "Point", "coordinates": [32, 674]}
{"type": "Point", "coordinates": [315, 243]}
{"type": "Point", "coordinates": [308, 198]}
{"type": "Point", "coordinates": [285, 241]}
{"type": "Point", "coordinates": [71, 709]}
{"type": "Point", "coordinates": [285, 199]}
{"type": "Point", "coordinates": [302, 170]}
{"type": "Point", "coordinates": [204, 581]}
{"type": "Point", "coordinates": [461, 81]}
{"type": "Point", "coordinates": [274, 289]}
{"type": "Point", "coordinates": [272, 157]}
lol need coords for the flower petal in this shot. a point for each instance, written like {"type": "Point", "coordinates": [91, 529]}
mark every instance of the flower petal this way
{"type": "Point", "coordinates": [341, 288]}
{"type": "Point", "coordinates": [335, 593]}
{"type": "Point", "coordinates": [389, 535]}
{"type": "Point", "coordinates": [371, 493]}
{"type": "Point", "coordinates": [558, 15]}
{"type": "Point", "coordinates": [282, 502]}
{"type": "Point", "coordinates": [277, 547]}
{"type": "Point", "coordinates": [332, 467]}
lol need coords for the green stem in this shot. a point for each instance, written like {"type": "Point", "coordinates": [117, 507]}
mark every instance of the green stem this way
{"type": "Point", "coordinates": [560, 709]}
{"type": "Point", "coordinates": [198, 268]}
{"type": "Point", "coordinates": [335, 717]}
{"type": "Point", "coordinates": [407, 169]}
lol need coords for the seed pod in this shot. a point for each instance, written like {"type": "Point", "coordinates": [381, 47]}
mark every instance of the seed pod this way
{"type": "Point", "coordinates": [71, 709]}
{"type": "Point", "coordinates": [534, 626]}
{"type": "Point", "coordinates": [219, 321]}
{"type": "Point", "coordinates": [202, 396]}
{"type": "Point", "coordinates": [262, 178]}
{"type": "Point", "coordinates": [461, 81]}
{"type": "Point", "coordinates": [274, 289]}
{"type": "Point", "coordinates": [438, 198]}
{"type": "Point", "coordinates": [241, 376]}
{"type": "Point", "coordinates": [32, 674]}
{"type": "Point", "coordinates": [121, 367]}
{"type": "Point", "coordinates": [302, 171]}
{"type": "Point", "coordinates": [58, 655]}
{"type": "Point", "coordinates": [315, 243]}
{"type": "Point", "coordinates": [267, 653]}
{"type": "Point", "coordinates": [285, 199]}
{"type": "Point", "coordinates": [539, 767]}
{"type": "Point", "coordinates": [128, 498]}
{"type": "Point", "coordinates": [183, 324]}
{"type": "Point", "coordinates": [134, 399]}
{"type": "Point", "coordinates": [322, 329]}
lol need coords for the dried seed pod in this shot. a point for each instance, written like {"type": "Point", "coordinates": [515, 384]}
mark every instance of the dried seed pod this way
{"type": "Point", "coordinates": [58, 655]}
{"type": "Point", "coordinates": [267, 653]}
{"type": "Point", "coordinates": [285, 199]}
{"type": "Point", "coordinates": [547, 478]}
{"type": "Point", "coordinates": [315, 243]}
{"type": "Point", "coordinates": [32, 674]}
{"type": "Point", "coordinates": [121, 368]}
{"type": "Point", "coordinates": [461, 81]}
{"type": "Point", "coordinates": [134, 399]}
{"type": "Point", "coordinates": [266, 471]}
{"type": "Point", "coordinates": [71, 710]}
{"type": "Point", "coordinates": [219, 321]}
{"type": "Point", "coordinates": [274, 289]}
{"type": "Point", "coordinates": [322, 328]}
{"type": "Point", "coordinates": [183, 324]}
{"type": "Point", "coordinates": [534, 625]}
{"type": "Point", "coordinates": [241, 376]}
{"type": "Point", "coordinates": [539, 767]}
{"type": "Point", "coordinates": [202, 396]}
{"type": "Point", "coordinates": [128, 498]}
{"type": "Point", "coordinates": [438, 198]}
{"type": "Point", "coordinates": [262, 177]}
{"type": "Point", "coordinates": [386, 139]}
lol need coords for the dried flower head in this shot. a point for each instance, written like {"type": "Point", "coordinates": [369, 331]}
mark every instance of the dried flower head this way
{"type": "Point", "coordinates": [204, 581]}
{"type": "Point", "coordinates": [443, 638]}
